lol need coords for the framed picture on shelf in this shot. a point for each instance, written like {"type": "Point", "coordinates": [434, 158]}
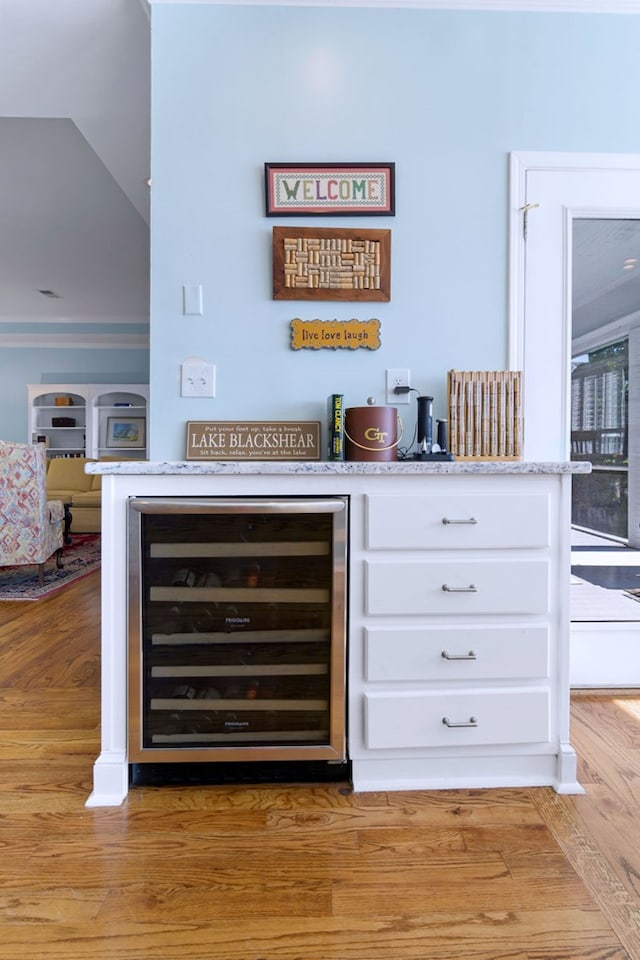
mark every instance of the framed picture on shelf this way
{"type": "Point", "coordinates": [126, 432]}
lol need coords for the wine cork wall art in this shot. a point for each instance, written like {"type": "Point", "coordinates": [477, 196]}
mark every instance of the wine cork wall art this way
{"type": "Point", "coordinates": [331, 264]}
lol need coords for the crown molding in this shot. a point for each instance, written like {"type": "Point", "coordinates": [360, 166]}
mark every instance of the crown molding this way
{"type": "Point", "coordinates": [85, 321]}
{"type": "Point", "coordinates": [69, 341]}
{"type": "Point", "coordinates": [521, 6]}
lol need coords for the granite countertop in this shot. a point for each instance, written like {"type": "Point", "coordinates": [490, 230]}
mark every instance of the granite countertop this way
{"type": "Point", "coordinates": [338, 468]}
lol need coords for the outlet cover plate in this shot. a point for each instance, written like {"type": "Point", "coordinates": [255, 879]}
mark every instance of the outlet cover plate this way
{"type": "Point", "coordinates": [398, 377]}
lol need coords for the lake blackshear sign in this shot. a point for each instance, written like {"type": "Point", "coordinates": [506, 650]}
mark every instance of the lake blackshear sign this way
{"type": "Point", "coordinates": [253, 440]}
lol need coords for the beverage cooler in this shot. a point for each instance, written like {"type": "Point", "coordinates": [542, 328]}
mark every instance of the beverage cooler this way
{"type": "Point", "coordinates": [237, 630]}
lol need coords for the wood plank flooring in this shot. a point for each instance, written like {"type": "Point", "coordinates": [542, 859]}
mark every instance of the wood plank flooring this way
{"type": "Point", "coordinates": [294, 872]}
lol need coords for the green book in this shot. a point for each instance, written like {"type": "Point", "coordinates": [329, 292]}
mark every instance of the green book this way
{"type": "Point", "coordinates": [335, 426]}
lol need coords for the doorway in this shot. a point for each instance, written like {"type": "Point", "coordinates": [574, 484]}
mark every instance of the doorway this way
{"type": "Point", "coordinates": [574, 305]}
{"type": "Point", "coordinates": [605, 561]}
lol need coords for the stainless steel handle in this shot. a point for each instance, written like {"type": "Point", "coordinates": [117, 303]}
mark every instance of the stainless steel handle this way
{"type": "Point", "coordinates": [471, 722]}
{"type": "Point", "coordinates": [458, 656]}
{"type": "Point", "coordinates": [470, 589]}
{"type": "Point", "coordinates": [446, 520]}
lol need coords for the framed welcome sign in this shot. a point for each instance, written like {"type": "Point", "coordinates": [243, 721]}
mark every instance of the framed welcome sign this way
{"type": "Point", "coordinates": [330, 189]}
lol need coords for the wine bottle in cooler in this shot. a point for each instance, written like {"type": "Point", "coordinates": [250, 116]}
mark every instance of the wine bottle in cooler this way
{"type": "Point", "coordinates": [184, 577]}
{"type": "Point", "coordinates": [173, 622]}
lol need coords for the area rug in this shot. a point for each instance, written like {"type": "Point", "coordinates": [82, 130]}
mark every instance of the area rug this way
{"type": "Point", "coordinates": [80, 558]}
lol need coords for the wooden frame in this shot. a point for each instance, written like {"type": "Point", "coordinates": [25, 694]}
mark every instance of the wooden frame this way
{"type": "Point", "coordinates": [331, 264]}
{"type": "Point", "coordinates": [125, 432]}
{"type": "Point", "coordinates": [329, 189]}
{"type": "Point", "coordinates": [253, 440]}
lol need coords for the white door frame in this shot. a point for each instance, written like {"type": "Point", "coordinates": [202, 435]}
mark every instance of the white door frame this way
{"type": "Point", "coordinates": [527, 347]}
{"type": "Point", "coordinates": [521, 163]}
{"type": "Point", "coordinates": [602, 653]}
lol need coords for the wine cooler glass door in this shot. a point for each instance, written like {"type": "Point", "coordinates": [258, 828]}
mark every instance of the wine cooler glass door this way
{"type": "Point", "coordinates": [237, 628]}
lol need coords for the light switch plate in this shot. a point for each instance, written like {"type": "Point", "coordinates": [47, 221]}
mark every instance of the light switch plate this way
{"type": "Point", "coordinates": [192, 300]}
{"type": "Point", "coordinates": [197, 379]}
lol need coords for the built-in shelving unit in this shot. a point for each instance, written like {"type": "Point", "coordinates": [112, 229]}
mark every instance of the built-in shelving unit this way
{"type": "Point", "coordinates": [90, 420]}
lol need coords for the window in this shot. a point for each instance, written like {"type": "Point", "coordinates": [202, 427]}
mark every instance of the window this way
{"type": "Point", "coordinates": [599, 433]}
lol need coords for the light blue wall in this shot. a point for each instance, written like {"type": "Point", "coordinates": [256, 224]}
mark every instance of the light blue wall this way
{"type": "Point", "coordinates": [21, 366]}
{"type": "Point", "coordinates": [446, 95]}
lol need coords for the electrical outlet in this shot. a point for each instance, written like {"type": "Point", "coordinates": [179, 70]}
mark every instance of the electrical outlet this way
{"type": "Point", "coordinates": [197, 379]}
{"type": "Point", "coordinates": [397, 378]}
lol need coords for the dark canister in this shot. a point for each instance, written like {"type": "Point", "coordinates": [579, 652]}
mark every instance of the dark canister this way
{"type": "Point", "coordinates": [371, 433]}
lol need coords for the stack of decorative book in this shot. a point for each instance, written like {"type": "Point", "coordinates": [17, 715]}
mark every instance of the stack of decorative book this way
{"type": "Point", "coordinates": [335, 426]}
{"type": "Point", "coordinates": [485, 414]}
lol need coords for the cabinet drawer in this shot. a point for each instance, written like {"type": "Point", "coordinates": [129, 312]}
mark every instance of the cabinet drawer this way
{"type": "Point", "coordinates": [447, 653]}
{"type": "Point", "coordinates": [417, 719]}
{"type": "Point", "coordinates": [457, 521]}
{"type": "Point", "coordinates": [456, 587]}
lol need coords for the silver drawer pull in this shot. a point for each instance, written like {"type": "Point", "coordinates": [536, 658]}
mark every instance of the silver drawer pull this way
{"type": "Point", "coordinates": [470, 589]}
{"type": "Point", "coordinates": [458, 656]}
{"type": "Point", "coordinates": [447, 520]}
{"type": "Point", "coordinates": [471, 722]}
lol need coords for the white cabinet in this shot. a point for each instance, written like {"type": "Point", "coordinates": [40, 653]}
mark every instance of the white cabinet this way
{"type": "Point", "coordinates": [455, 719]}
{"type": "Point", "coordinates": [446, 688]}
{"type": "Point", "coordinates": [89, 420]}
{"type": "Point", "coordinates": [58, 418]}
{"type": "Point", "coordinates": [118, 419]}
{"type": "Point", "coordinates": [473, 519]}
{"type": "Point", "coordinates": [458, 661]}
{"type": "Point", "coordinates": [460, 588]}
{"type": "Point", "coordinates": [450, 654]}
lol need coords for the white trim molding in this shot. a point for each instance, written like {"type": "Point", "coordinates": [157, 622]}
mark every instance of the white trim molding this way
{"type": "Point", "coordinates": [546, 422]}
{"type": "Point", "coordinates": [72, 341]}
{"type": "Point", "coordinates": [520, 163]}
{"type": "Point", "coordinates": [523, 6]}
{"type": "Point", "coordinates": [106, 321]}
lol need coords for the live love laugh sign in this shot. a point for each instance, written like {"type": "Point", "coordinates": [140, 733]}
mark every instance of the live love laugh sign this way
{"type": "Point", "coordinates": [344, 189]}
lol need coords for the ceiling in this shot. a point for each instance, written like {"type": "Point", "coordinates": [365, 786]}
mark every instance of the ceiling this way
{"type": "Point", "coordinates": [74, 161]}
{"type": "Point", "coordinates": [74, 165]}
{"type": "Point", "coordinates": [606, 272]}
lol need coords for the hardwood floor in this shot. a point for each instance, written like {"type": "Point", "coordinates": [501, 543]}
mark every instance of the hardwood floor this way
{"type": "Point", "coordinates": [294, 872]}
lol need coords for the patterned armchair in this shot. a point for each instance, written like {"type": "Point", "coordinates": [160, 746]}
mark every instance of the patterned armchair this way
{"type": "Point", "coordinates": [31, 527]}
